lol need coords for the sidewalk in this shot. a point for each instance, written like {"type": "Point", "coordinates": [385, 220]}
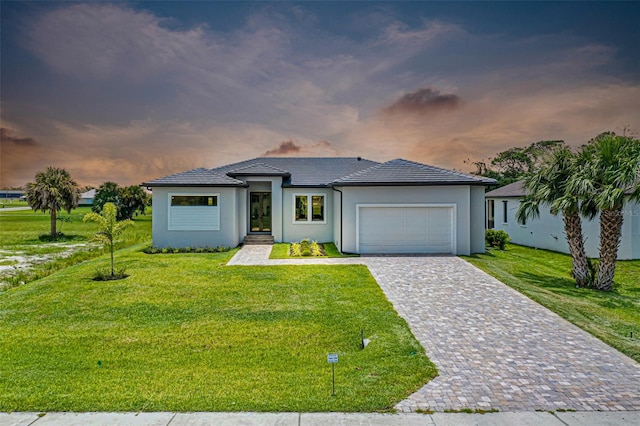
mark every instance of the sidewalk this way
{"type": "Point", "coordinates": [543, 418]}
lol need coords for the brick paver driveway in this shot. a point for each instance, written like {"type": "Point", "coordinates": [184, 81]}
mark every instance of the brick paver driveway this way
{"type": "Point", "coordinates": [494, 348]}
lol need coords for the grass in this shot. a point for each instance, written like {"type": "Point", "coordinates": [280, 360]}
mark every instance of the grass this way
{"type": "Point", "coordinates": [281, 251]}
{"type": "Point", "coordinates": [12, 202]}
{"type": "Point", "coordinates": [185, 333]}
{"type": "Point", "coordinates": [544, 276]}
{"type": "Point", "coordinates": [21, 232]}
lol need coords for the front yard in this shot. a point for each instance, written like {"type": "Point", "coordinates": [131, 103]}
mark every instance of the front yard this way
{"type": "Point", "coordinates": [185, 333]}
{"type": "Point", "coordinates": [544, 276]}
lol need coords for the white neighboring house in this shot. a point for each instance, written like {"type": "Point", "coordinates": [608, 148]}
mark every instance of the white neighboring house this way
{"type": "Point", "coordinates": [547, 231]}
{"type": "Point", "coordinates": [86, 198]}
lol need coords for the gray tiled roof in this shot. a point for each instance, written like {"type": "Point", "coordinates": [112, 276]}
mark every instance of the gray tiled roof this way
{"type": "Point", "coordinates": [306, 171]}
{"type": "Point", "coordinates": [323, 172]}
{"type": "Point", "coordinates": [514, 189]}
{"type": "Point", "coordinates": [403, 172]}
{"type": "Point", "coordinates": [258, 169]}
{"type": "Point", "coordinates": [195, 177]}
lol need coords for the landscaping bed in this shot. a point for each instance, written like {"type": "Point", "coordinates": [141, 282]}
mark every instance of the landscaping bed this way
{"type": "Point", "coordinates": [544, 276]}
{"type": "Point", "coordinates": [187, 333]}
{"type": "Point", "coordinates": [283, 251]}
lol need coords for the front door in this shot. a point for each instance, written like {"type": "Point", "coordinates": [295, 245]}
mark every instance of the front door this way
{"type": "Point", "coordinates": [260, 212]}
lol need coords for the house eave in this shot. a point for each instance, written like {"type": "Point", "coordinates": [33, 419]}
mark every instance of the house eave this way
{"type": "Point", "coordinates": [193, 185]}
{"type": "Point", "coordinates": [410, 184]}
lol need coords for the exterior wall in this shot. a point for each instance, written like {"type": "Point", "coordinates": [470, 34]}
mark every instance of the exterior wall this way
{"type": "Point", "coordinates": [458, 195]}
{"type": "Point", "coordinates": [319, 231]}
{"type": "Point", "coordinates": [547, 231]}
{"type": "Point", "coordinates": [227, 235]}
{"type": "Point", "coordinates": [477, 219]}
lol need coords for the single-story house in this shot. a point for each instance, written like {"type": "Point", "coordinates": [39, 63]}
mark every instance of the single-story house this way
{"type": "Point", "coordinates": [547, 231]}
{"type": "Point", "coordinates": [362, 206]}
{"type": "Point", "coordinates": [86, 198]}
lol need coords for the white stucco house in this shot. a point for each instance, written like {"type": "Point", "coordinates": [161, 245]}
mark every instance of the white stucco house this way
{"type": "Point", "coordinates": [547, 231]}
{"type": "Point", "coordinates": [86, 198]}
{"type": "Point", "coordinates": [362, 206]}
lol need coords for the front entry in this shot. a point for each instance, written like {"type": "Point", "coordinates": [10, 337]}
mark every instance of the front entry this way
{"type": "Point", "coordinates": [260, 212]}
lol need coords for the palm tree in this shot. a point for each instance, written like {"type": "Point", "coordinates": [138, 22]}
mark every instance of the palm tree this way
{"type": "Point", "coordinates": [610, 176]}
{"type": "Point", "coordinates": [548, 186]}
{"type": "Point", "coordinates": [109, 227]}
{"type": "Point", "coordinates": [53, 190]}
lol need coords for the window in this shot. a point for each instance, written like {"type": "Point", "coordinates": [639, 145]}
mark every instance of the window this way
{"type": "Point", "coordinates": [504, 211]}
{"type": "Point", "coordinates": [194, 212]}
{"type": "Point", "coordinates": [490, 214]}
{"type": "Point", "coordinates": [309, 208]}
{"type": "Point", "coordinates": [194, 200]}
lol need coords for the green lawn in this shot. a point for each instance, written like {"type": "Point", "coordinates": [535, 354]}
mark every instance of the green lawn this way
{"type": "Point", "coordinates": [185, 333]}
{"type": "Point", "coordinates": [544, 276]}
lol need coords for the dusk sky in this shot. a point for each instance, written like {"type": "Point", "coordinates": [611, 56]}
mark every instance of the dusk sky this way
{"type": "Point", "coordinates": [132, 91]}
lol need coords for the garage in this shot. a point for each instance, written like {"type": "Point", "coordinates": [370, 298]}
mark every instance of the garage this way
{"type": "Point", "coordinates": [405, 229]}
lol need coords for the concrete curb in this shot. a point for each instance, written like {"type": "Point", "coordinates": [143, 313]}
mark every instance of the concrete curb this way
{"type": "Point", "coordinates": [543, 418]}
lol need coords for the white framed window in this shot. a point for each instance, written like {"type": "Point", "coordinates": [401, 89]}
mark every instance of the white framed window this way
{"type": "Point", "coordinates": [193, 212]}
{"type": "Point", "coordinates": [309, 208]}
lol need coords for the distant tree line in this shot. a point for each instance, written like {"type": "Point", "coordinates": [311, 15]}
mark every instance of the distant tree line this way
{"type": "Point", "coordinates": [129, 200]}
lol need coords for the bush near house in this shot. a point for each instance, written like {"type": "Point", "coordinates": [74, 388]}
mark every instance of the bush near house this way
{"type": "Point", "coordinates": [497, 238]}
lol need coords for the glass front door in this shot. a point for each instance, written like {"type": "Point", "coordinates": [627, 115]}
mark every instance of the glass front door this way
{"type": "Point", "coordinates": [260, 211]}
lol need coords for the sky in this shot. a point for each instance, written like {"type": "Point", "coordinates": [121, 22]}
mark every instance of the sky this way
{"type": "Point", "coordinates": [132, 91]}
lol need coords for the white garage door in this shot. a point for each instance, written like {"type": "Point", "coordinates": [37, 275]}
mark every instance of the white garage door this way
{"type": "Point", "coordinates": [402, 229]}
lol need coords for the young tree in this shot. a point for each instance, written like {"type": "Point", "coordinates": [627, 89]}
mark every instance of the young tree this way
{"type": "Point", "coordinates": [609, 174]}
{"type": "Point", "coordinates": [109, 227]}
{"type": "Point", "coordinates": [53, 190]}
{"type": "Point", "coordinates": [547, 186]}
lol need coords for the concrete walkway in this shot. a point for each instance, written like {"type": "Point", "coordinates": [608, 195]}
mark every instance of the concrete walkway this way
{"type": "Point", "coordinates": [329, 419]}
{"type": "Point", "coordinates": [494, 348]}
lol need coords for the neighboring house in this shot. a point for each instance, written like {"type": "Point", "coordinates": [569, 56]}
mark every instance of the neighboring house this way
{"type": "Point", "coordinates": [86, 198]}
{"type": "Point", "coordinates": [360, 205]}
{"type": "Point", "coordinates": [547, 231]}
{"type": "Point", "coordinates": [11, 194]}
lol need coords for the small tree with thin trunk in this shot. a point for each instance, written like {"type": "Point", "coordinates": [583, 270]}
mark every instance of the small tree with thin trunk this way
{"type": "Point", "coordinates": [53, 190]}
{"type": "Point", "coordinates": [109, 227]}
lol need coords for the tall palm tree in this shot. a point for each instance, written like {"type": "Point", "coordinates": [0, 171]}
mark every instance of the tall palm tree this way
{"type": "Point", "coordinates": [548, 187]}
{"type": "Point", "coordinates": [53, 190]}
{"type": "Point", "coordinates": [610, 176]}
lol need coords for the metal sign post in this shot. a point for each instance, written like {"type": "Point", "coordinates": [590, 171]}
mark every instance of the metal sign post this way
{"type": "Point", "coordinates": [333, 360]}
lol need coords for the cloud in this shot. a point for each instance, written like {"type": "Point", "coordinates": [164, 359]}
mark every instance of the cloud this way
{"type": "Point", "coordinates": [423, 101]}
{"type": "Point", "coordinates": [289, 148]}
{"type": "Point", "coordinates": [285, 148]}
{"type": "Point", "coordinates": [7, 137]}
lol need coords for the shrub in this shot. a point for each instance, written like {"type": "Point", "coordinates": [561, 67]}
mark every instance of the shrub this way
{"type": "Point", "coordinates": [497, 238]}
{"type": "Point", "coordinates": [305, 247]}
{"type": "Point", "coordinates": [316, 250]}
{"type": "Point", "coordinates": [295, 250]}
{"type": "Point", "coordinates": [104, 274]}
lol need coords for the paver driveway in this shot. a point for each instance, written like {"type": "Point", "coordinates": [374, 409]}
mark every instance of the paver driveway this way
{"type": "Point", "coordinates": [494, 348]}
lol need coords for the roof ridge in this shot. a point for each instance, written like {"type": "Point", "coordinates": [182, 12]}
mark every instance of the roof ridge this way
{"type": "Point", "coordinates": [255, 165]}
{"type": "Point", "coordinates": [453, 172]}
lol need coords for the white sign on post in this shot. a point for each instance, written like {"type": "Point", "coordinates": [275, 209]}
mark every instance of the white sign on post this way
{"type": "Point", "coordinates": [332, 358]}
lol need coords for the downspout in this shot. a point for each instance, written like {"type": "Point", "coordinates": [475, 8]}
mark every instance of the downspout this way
{"type": "Point", "coordinates": [334, 188]}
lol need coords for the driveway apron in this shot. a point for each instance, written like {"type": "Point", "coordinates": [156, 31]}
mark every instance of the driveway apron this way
{"type": "Point", "coordinates": [495, 349]}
